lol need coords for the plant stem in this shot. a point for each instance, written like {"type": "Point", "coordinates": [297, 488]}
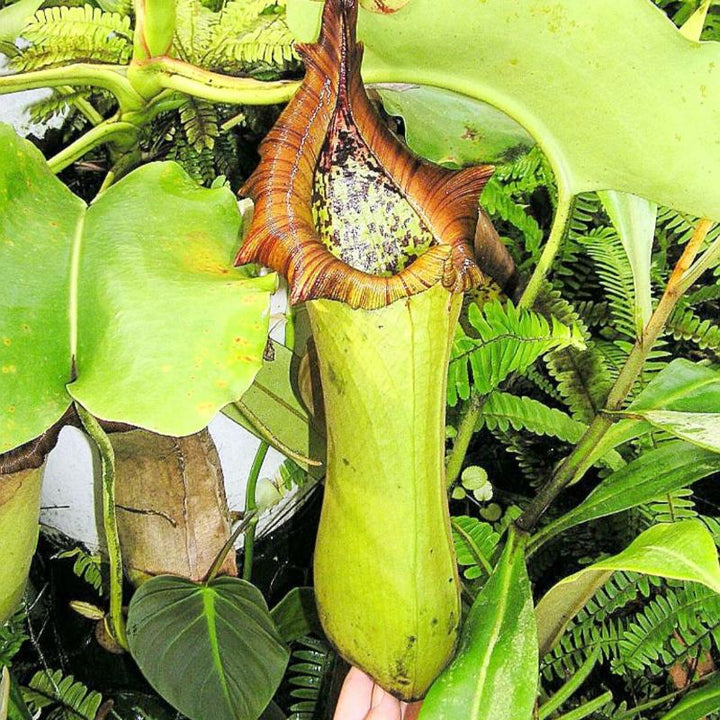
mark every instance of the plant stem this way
{"type": "Point", "coordinates": [570, 469]}
{"type": "Point", "coordinates": [108, 77]}
{"type": "Point", "coordinates": [167, 73]}
{"type": "Point", "coordinates": [561, 223]}
{"type": "Point", "coordinates": [220, 557]}
{"type": "Point", "coordinates": [251, 507]}
{"type": "Point", "coordinates": [466, 428]}
{"type": "Point", "coordinates": [569, 688]}
{"type": "Point", "coordinates": [632, 712]}
{"type": "Point", "coordinates": [107, 466]}
{"type": "Point", "coordinates": [588, 708]}
{"type": "Point", "coordinates": [108, 131]}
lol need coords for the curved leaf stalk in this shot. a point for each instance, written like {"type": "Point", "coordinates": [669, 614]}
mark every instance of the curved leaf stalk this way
{"type": "Point", "coordinates": [577, 462]}
{"type": "Point", "coordinates": [108, 77]}
{"type": "Point", "coordinates": [561, 223]}
{"type": "Point", "coordinates": [122, 134]}
{"type": "Point", "coordinates": [154, 75]}
{"type": "Point", "coordinates": [251, 509]}
{"type": "Point", "coordinates": [107, 465]}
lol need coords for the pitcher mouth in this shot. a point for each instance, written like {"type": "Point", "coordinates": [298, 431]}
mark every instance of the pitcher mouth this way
{"type": "Point", "coordinates": [342, 208]}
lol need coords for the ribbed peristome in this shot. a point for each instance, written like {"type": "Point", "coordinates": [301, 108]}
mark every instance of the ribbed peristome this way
{"type": "Point", "coordinates": [283, 233]}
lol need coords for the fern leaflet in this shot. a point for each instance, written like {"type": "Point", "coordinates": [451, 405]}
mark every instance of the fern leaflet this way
{"type": "Point", "coordinates": [508, 340]}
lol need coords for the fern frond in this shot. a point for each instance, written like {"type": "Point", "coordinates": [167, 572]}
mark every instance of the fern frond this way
{"type": "Point", "coordinates": [673, 507]}
{"type": "Point", "coordinates": [86, 566]}
{"type": "Point", "coordinates": [498, 202]}
{"type": "Point", "coordinates": [669, 628]}
{"type": "Point", "coordinates": [582, 378]}
{"type": "Point", "coordinates": [72, 34]}
{"type": "Point", "coordinates": [577, 644]}
{"type": "Point", "coordinates": [194, 25]}
{"type": "Point", "coordinates": [614, 271]}
{"type": "Point", "coordinates": [58, 103]}
{"type": "Point", "coordinates": [249, 32]}
{"type": "Point", "coordinates": [684, 324]}
{"type": "Point", "coordinates": [12, 636]}
{"type": "Point", "coordinates": [50, 688]}
{"type": "Point", "coordinates": [508, 340]}
{"type": "Point", "coordinates": [200, 123]}
{"type": "Point", "coordinates": [309, 666]}
{"type": "Point", "coordinates": [503, 410]}
{"type": "Point", "coordinates": [708, 293]}
{"type": "Point", "coordinates": [475, 543]}
{"type": "Point", "coordinates": [199, 164]}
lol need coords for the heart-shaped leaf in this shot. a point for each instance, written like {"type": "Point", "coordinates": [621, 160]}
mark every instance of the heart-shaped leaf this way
{"type": "Point", "coordinates": [134, 298]}
{"type": "Point", "coordinates": [211, 650]}
{"type": "Point", "coordinates": [578, 76]}
{"type": "Point", "coordinates": [682, 551]}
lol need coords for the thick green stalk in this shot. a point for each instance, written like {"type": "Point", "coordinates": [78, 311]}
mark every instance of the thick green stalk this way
{"type": "Point", "coordinates": [106, 132]}
{"type": "Point", "coordinates": [251, 509]}
{"type": "Point", "coordinates": [576, 462]}
{"type": "Point", "coordinates": [107, 466]}
{"type": "Point", "coordinates": [385, 574]}
{"type": "Point", "coordinates": [149, 78]}
{"type": "Point", "coordinates": [108, 77]}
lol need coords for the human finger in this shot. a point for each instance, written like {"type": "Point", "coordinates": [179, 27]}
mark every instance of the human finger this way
{"type": "Point", "coordinates": [355, 696]}
{"type": "Point", "coordinates": [384, 706]}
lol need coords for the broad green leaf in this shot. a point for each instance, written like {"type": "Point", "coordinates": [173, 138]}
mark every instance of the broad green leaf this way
{"type": "Point", "coordinates": [697, 704]}
{"type": "Point", "coordinates": [13, 18]}
{"type": "Point", "coordinates": [702, 429]}
{"type": "Point", "coordinates": [682, 551]}
{"type": "Point", "coordinates": [580, 77]}
{"type": "Point", "coordinates": [19, 513]}
{"type": "Point", "coordinates": [211, 650]}
{"type": "Point", "coordinates": [681, 387]}
{"type": "Point", "coordinates": [494, 674]}
{"type": "Point", "coordinates": [4, 692]}
{"type": "Point", "coordinates": [634, 219]}
{"type": "Point", "coordinates": [452, 129]}
{"type": "Point", "coordinates": [672, 466]}
{"type": "Point", "coordinates": [136, 296]}
{"type": "Point", "coordinates": [272, 408]}
{"type": "Point", "coordinates": [296, 615]}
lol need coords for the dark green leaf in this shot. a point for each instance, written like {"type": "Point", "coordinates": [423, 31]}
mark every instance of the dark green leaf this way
{"type": "Point", "coordinates": [296, 615]}
{"type": "Point", "coordinates": [697, 704]}
{"type": "Point", "coordinates": [211, 650]}
{"type": "Point", "coordinates": [672, 466]}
